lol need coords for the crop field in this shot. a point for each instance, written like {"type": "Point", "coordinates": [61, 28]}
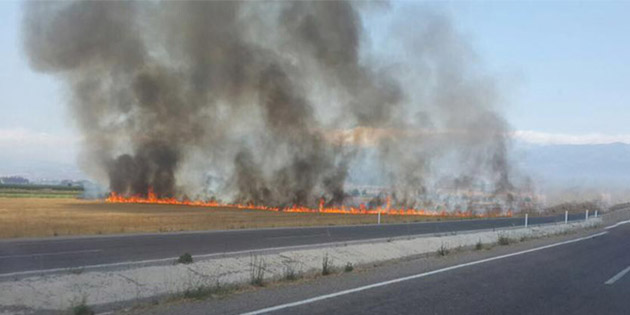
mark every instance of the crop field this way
{"type": "Point", "coordinates": [45, 217]}
{"type": "Point", "coordinates": [39, 191]}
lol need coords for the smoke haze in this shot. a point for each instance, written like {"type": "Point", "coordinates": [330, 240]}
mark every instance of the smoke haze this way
{"type": "Point", "coordinates": [271, 103]}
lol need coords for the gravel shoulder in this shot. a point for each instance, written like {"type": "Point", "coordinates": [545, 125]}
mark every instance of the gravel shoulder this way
{"type": "Point", "coordinates": [250, 298]}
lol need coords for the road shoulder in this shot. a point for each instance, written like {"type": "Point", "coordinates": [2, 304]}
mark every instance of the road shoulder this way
{"type": "Point", "coordinates": [252, 298]}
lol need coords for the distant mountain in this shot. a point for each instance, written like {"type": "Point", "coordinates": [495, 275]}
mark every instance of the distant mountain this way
{"type": "Point", "coordinates": [601, 166]}
{"type": "Point", "coordinates": [36, 170]}
{"type": "Point", "coordinates": [595, 165]}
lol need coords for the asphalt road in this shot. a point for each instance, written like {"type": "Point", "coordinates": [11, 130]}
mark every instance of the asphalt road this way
{"type": "Point", "coordinates": [568, 279]}
{"type": "Point", "coordinates": [45, 254]}
{"type": "Point", "coordinates": [583, 277]}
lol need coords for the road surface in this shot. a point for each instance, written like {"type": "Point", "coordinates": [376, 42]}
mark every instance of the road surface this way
{"type": "Point", "coordinates": [25, 256]}
{"type": "Point", "coordinates": [587, 276]}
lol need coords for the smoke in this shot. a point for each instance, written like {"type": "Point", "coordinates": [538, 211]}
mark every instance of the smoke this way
{"type": "Point", "coordinates": [279, 101]}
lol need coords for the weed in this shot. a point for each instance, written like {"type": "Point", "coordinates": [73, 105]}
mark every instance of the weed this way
{"type": "Point", "coordinates": [76, 271]}
{"type": "Point", "coordinates": [257, 271]}
{"type": "Point", "coordinates": [349, 267]}
{"type": "Point", "coordinates": [479, 245]}
{"type": "Point", "coordinates": [204, 291]}
{"type": "Point", "coordinates": [326, 265]}
{"type": "Point", "coordinates": [442, 251]}
{"type": "Point", "coordinates": [82, 309]}
{"type": "Point", "coordinates": [198, 293]}
{"type": "Point", "coordinates": [289, 273]}
{"type": "Point", "coordinates": [504, 240]}
{"type": "Point", "coordinates": [186, 258]}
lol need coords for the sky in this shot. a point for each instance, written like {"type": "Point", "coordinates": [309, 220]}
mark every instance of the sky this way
{"type": "Point", "coordinates": [562, 68]}
{"type": "Point", "coordinates": [568, 61]}
{"type": "Point", "coordinates": [34, 122]}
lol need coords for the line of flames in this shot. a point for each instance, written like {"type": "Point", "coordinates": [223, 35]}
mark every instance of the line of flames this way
{"type": "Point", "coordinates": [362, 209]}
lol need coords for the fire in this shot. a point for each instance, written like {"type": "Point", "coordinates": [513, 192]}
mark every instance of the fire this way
{"type": "Point", "coordinates": [361, 209]}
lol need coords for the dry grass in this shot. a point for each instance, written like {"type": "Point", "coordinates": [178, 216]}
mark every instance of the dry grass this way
{"type": "Point", "coordinates": [42, 217]}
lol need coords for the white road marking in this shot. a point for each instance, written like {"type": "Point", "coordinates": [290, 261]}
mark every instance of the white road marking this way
{"type": "Point", "coordinates": [617, 276]}
{"type": "Point", "coordinates": [53, 254]}
{"type": "Point", "coordinates": [88, 267]}
{"type": "Point", "coordinates": [617, 224]}
{"type": "Point", "coordinates": [412, 277]}
{"type": "Point", "coordinates": [80, 237]}
{"type": "Point", "coordinates": [222, 254]}
{"type": "Point", "coordinates": [296, 236]}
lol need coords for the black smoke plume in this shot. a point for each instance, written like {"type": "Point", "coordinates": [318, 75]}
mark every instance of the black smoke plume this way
{"type": "Point", "coordinates": [277, 101]}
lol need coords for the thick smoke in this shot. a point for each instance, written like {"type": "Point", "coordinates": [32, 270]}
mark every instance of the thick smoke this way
{"type": "Point", "coordinates": [277, 102]}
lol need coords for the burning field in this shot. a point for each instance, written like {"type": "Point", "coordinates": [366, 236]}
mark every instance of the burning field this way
{"type": "Point", "coordinates": [278, 106]}
{"type": "Point", "coordinates": [151, 198]}
{"type": "Point", "coordinates": [48, 217]}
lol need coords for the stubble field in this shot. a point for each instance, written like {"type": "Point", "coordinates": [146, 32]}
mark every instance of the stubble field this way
{"type": "Point", "coordinates": [48, 217]}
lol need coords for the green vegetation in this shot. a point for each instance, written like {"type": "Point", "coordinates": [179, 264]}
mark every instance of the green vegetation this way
{"type": "Point", "coordinates": [326, 265]}
{"type": "Point", "coordinates": [443, 250]}
{"type": "Point", "coordinates": [39, 191]}
{"type": "Point", "coordinates": [479, 245]}
{"type": "Point", "coordinates": [289, 273]}
{"type": "Point", "coordinates": [257, 271]}
{"type": "Point", "coordinates": [81, 309]}
{"type": "Point", "coordinates": [186, 258]}
{"type": "Point", "coordinates": [203, 292]}
{"type": "Point", "coordinates": [504, 240]}
{"type": "Point", "coordinates": [349, 267]}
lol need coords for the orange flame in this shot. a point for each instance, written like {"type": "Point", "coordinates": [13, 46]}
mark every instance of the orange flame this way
{"type": "Point", "coordinates": [362, 209]}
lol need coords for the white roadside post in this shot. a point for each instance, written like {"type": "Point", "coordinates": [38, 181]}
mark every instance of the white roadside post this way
{"type": "Point", "coordinates": [586, 216]}
{"type": "Point", "coordinates": [566, 217]}
{"type": "Point", "coordinates": [596, 213]}
{"type": "Point", "coordinates": [525, 219]}
{"type": "Point", "coordinates": [379, 216]}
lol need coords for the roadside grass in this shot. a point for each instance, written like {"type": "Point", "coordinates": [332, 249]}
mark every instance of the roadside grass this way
{"type": "Point", "coordinates": [504, 240]}
{"type": "Point", "coordinates": [289, 273]}
{"type": "Point", "coordinates": [349, 267]}
{"type": "Point", "coordinates": [203, 292]}
{"type": "Point", "coordinates": [186, 258]}
{"type": "Point", "coordinates": [479, 245]}
{"type": "Point", "coordinates": [81, 309]}
{"type": "Point", "coordinates": [443, 250]}
{"type": "Point", "coordinates": [326, 265]}
{"type": "Point", "coordinates": [257, 271]}
{"type": "Point", "coordinates": [198, 293]}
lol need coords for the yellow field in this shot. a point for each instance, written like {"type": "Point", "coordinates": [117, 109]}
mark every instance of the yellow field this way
{"type": "Point", "coordinates": [40, 217]}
